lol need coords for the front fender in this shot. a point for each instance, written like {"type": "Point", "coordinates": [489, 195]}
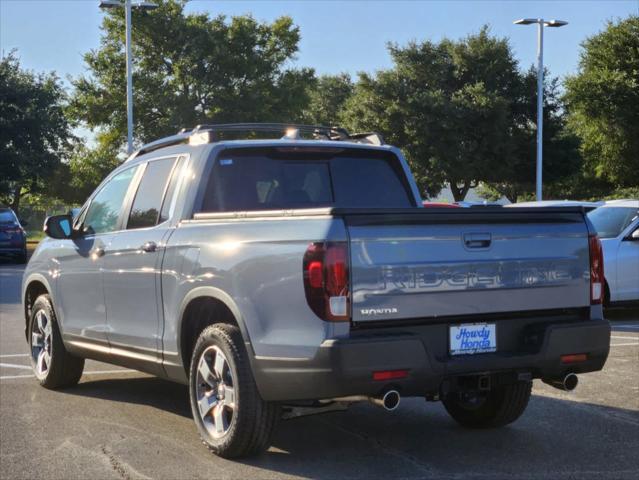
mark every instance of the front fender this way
{"type": "Point", "coordinates": [27, 281]}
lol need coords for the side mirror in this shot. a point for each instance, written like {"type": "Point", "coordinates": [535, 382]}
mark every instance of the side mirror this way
{"type": "Point", "coordinates": [58, 226]}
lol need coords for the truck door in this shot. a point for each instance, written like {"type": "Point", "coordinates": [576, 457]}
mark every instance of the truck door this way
{"type": "Point", "coordinates": [132, 265]}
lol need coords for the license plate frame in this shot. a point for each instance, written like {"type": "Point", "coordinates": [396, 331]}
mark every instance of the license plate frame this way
{"type": "Point", "coordinates": [472, 338]}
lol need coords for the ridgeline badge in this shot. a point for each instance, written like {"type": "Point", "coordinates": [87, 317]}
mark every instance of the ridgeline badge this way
{"type": "Point", "coordinates": [378, 311]}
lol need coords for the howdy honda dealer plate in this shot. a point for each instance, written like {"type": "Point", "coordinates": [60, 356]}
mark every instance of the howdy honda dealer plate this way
{"type": "Point", "coordinates": [473, 338]}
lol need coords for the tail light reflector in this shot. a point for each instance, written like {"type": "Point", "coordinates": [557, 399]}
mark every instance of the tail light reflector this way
{"type": "Point", "coordinates": [326, 280]}
{"type": "Point", "coordinates": [574, 358]}
{"type": "Point", "coordinates": [596, 270]}
{"type": "Point", "coordinates": [390, 375]}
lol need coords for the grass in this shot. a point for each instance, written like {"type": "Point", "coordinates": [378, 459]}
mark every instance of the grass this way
{"type": "Point", "coordinates": [34, 236]}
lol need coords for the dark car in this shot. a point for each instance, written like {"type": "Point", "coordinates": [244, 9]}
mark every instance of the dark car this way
{"type": "Point", "coordinates": [13, 238]}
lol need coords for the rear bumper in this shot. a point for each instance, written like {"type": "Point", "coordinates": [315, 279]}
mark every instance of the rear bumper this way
{"type": "Point", "coordinates": [343, 367]}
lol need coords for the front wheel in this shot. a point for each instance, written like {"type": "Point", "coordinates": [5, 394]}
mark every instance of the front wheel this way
{"type": "Point", "coordinates": [231, 417]}
{"type": "Point", "coordinates": [52, 365]}
{"type": "Point", "coordinates": [497, 407]}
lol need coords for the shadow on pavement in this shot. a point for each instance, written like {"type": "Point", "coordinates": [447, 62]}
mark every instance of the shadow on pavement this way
{"type": "Point", "coordinates": [150, 391]}
{"type": "Point", "coordinates": [555, 436]}
{"type": "Point", "coordinates": [622, 314]}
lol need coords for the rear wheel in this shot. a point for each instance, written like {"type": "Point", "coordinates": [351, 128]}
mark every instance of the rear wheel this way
{"type": "Point", "coordinates": [231, 417]}
{"type": "Point", "coordinates": [52, 365]}
{"type": "Point", "coordinates": [497, 407]}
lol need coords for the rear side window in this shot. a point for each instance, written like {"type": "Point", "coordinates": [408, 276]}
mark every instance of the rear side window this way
{"type": "Point", "coordinates": [147, 204]}
{"type": "Point", "coordinates": [245, 182]}
{"type": "Point", "coordinates": [170, 190]}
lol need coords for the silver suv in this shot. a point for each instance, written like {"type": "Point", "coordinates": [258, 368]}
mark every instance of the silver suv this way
{"type": "Point", "coordinates": [285, 276]}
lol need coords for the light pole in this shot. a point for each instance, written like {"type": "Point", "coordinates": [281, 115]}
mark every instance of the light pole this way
{"type": "Point", "coordinates": [541, 23]}
{"type": "Point", "coordinates": [127, 5]}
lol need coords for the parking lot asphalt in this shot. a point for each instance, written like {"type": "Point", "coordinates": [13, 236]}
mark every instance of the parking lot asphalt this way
{"type": "Point", "coordinates": [122, 424]}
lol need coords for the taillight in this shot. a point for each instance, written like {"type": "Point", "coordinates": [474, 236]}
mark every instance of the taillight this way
{"type": "Point", "coordinates": [326, 280]}
{"type": "Point", "coordinates": [596, 270]}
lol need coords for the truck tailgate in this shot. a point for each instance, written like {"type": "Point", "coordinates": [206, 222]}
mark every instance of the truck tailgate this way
{"type": "Point", "coordinates": [417, 264]}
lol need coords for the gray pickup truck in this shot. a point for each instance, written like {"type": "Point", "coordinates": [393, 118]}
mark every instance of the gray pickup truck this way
{"type": "Point", "coordinates": [280, 277]}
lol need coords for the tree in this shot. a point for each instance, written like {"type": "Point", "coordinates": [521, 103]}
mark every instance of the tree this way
{"type": "Point", "coordinates": [603, 103]}
{"type": "Point", "coordinates": [190, 69]}
{"type": "Point", "coordinates": [78, 177]}
{"type": "Point", "coordinates": [327, 97]}
{"type": "Point", "coordinates": [448, 105]}
{"type": "Point", "coordinates": [561, 158]}
{"type": "Point", "coordinates": [34, 132]}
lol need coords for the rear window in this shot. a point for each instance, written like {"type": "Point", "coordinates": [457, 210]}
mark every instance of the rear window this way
{"type": "Point", "coordinates": [7, 216]}
{"type": "Point", "coordinates": [611, 221]}
{"type": "Point", "coordinates": [244, 182]}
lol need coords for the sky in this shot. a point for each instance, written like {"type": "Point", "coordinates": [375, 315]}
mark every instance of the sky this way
{"type": "Point", "coordinates": [337, 36]}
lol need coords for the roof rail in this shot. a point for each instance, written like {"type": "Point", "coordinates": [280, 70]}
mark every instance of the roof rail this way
{"type": "Point", "coordinates": [209, 133]}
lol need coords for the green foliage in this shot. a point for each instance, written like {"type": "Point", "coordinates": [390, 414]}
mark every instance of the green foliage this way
{"type": "Point", "coordinates": [561, 158]}
{"type": "Point", "coordinates": [603, 101]}
{"type": "Point", "coordinates": [190, 69]}
{"type": "Point", "coordinates": [34, 132]}
{"type": "Point", "coordinates": [327, 97]}
{"type": "Point", "coordinates": [461, 112]}
{"type": "Point", "coordinates": [84, 171]}
{"type": "Point", "coordinates": [623, 193]}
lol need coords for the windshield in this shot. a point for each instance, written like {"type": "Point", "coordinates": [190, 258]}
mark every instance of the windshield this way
{"type": "Point", "coordinates": [611, 221]}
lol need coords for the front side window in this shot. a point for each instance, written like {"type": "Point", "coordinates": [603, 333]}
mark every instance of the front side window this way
{"type": "Point", "coordinates": [611, 221]}
{"type": "Point", "coordinates": [146, 206]}
{"type": "Point", "coordinates": [104, 211]}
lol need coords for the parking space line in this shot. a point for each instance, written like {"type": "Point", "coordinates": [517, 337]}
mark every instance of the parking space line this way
{"type": "Point", "coordinates": [625, 337]}
{"type": "Point", "coordinates": [95, 372]}
{"type": "Point", "coordinates": [12, 365]}
{"type": "Point", "coordinates": [15, 355]}
{"type": "Point", "coordinates": [636, 344]}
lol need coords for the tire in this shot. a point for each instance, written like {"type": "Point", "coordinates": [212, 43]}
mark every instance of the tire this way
{"type": "Point", "coordinates": [62, 369]}
{"type": "Point", "coordinates": [498, 407]}
{"type": "Point", "coordinates": [236, 424]}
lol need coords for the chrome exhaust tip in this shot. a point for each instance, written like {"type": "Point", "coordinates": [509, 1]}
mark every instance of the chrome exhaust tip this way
{"type": "Point", "coordinates": [570, 382]}
{"type": "Point", "coordinates": [567, 384]}
{"type": "Point", "coordinates": [390, 400]}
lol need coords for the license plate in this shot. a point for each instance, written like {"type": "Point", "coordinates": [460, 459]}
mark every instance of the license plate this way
{"type": "Point", "coordinates": [473, 338]}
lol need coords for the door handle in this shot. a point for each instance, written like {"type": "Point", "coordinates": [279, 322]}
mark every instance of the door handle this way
{"type": "Point", "coordinates": [149, 247]}
{"type": "Point", "coordinates": [477, 240]}
{"type": "Point", "coordinates": [97, 252]}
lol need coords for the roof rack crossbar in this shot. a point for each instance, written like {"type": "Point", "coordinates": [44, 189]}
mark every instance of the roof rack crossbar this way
{"type": "Point", "coordinates": [329, 131]}
{"type": "Point", "coordinates": [208, 133]}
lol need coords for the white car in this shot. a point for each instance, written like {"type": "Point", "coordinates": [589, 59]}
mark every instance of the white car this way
{"type": "Point", "coordinates": [558, 203]}
{"type": "Point", "coordinates": [617, 223]}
